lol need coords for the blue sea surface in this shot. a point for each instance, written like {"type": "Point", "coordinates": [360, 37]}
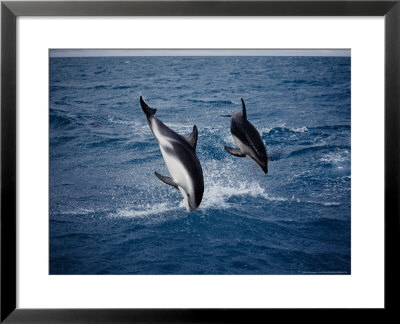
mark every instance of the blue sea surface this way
{"type": "Point", "coordinates": [109, 214]}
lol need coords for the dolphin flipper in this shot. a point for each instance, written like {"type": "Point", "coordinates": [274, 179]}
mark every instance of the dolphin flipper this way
{"type": "Point", "coordinates": [192, 139]}
{"type": "Point", "coordinates": [166, 180]}
{"type": "Point", "coordinates": [234, 151]}
{"type": "Point", "coordinates": [146, 109]}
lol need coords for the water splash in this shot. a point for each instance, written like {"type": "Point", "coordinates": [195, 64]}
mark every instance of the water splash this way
{"type": "Point", "coordinates": [144, 211]}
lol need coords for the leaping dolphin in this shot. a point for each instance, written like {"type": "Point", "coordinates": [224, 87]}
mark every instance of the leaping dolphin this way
{"type": "Point", "coordinates": [179, 154]}
{"type": "Point", "coordinates": [247, 139]}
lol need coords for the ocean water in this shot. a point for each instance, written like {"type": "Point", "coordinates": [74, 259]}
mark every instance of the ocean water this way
{"type": "Point", "coordinates": [109, 214]}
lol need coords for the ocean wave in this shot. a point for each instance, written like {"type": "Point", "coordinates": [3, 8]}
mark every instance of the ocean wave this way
{"type": "Point", "coordinates": [332, 127]}
{"type": "Point", "coordinates": [214, 101]}
{"type": "Point", "coordinates": [59, 87]}
{"type": "Point", "coordinates": [301, 129]}
{"type": "Point", "coordinates": [103, 142]}
{"type": "Point", "coordinates": [282, 129]}
{"type": "Point", "coordinates": [298, 81]}
{"type": "Point", "coordinates": [122, 121]}
{"type": "Point", "coordinates": [317, 202]}
{"type": "Point", "coordinates": [316, 148]}
{"type": "Point", "coordinates": [76, 211]}
{"type": "Point", "coordinates": [331, 224]}
{"type": "Point", "coordinates": [323, 203]}
{"type": "Point", "coordinates": [97, 87]}
{"type": "Point", "coordinates": [57, 121]}
{"type": "Point", "coordinates": [336, 157]}
{"type": "Point", "coordinates": [121, 87]}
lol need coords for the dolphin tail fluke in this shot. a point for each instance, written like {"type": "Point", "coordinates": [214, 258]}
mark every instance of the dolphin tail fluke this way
{"type": "Point", "coordinates": [146, 109]}
{"type": "Point", "coordinates": [234, 151]}
{"type": "Point", "coordinates": [192, 139]}
{"type": "Point", "coordinates": [166, 180]}
{"type": "Point", "coordinates": [243, 109]}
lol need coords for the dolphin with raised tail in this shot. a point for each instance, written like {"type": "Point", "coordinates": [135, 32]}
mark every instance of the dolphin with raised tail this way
{"type": "Point", "coordinates": [179, 154]}
{"type": "Point", "coordinates": [247, 139]}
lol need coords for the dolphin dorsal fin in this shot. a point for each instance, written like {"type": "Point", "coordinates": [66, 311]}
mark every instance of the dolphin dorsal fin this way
{"type": "Point", "coordinates": [244, 109]}
{"type": "Point", "coordinates": [192, 139]}
{"type": "Point", "coordinates": [146, 109]}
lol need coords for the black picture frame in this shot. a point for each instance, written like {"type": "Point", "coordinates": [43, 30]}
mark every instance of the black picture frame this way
{"type": "Point", "coordinates": [10, 10]}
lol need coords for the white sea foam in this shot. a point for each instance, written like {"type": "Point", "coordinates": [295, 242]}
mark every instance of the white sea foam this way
{"type": "Point", "coordinates": [266, 129]}
{"type": "Point", "coordinates": [336, 157]}
{"type": "Point", "coordinates": [229, 139]}
{"type": "Point", "coordinates": [324, 203]}
{"type": "Point", "coordinates": [121, 121]}
{"type": "Point", "coordinates": [328, 203]}
{"type": "Point", "coordinates": [144, 211]}
{"type": "Point", "coordinates": [180, 127]}
{"type": "Point", "coordinates": [77, 211]}
{"type": "Point", "coordinates": [217, 194]}
{"type": "Point", "coordinates": [295, 130]}
{"type": "Point", "coordinates": [300, 129]}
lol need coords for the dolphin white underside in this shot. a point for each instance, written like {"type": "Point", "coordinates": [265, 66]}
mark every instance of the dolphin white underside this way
{"type": "Point", "coordinates": [242, 147]}
{"type": "Point", "coordinates": [176, 168]}
{"type": "Point", "coordinates": [179, 174]}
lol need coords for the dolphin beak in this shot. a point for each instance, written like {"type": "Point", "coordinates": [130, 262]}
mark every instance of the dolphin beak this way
{"type": "Point", "coordinates": [264, 167]}
{"type": "Point", "coordinates": [192, 209]}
